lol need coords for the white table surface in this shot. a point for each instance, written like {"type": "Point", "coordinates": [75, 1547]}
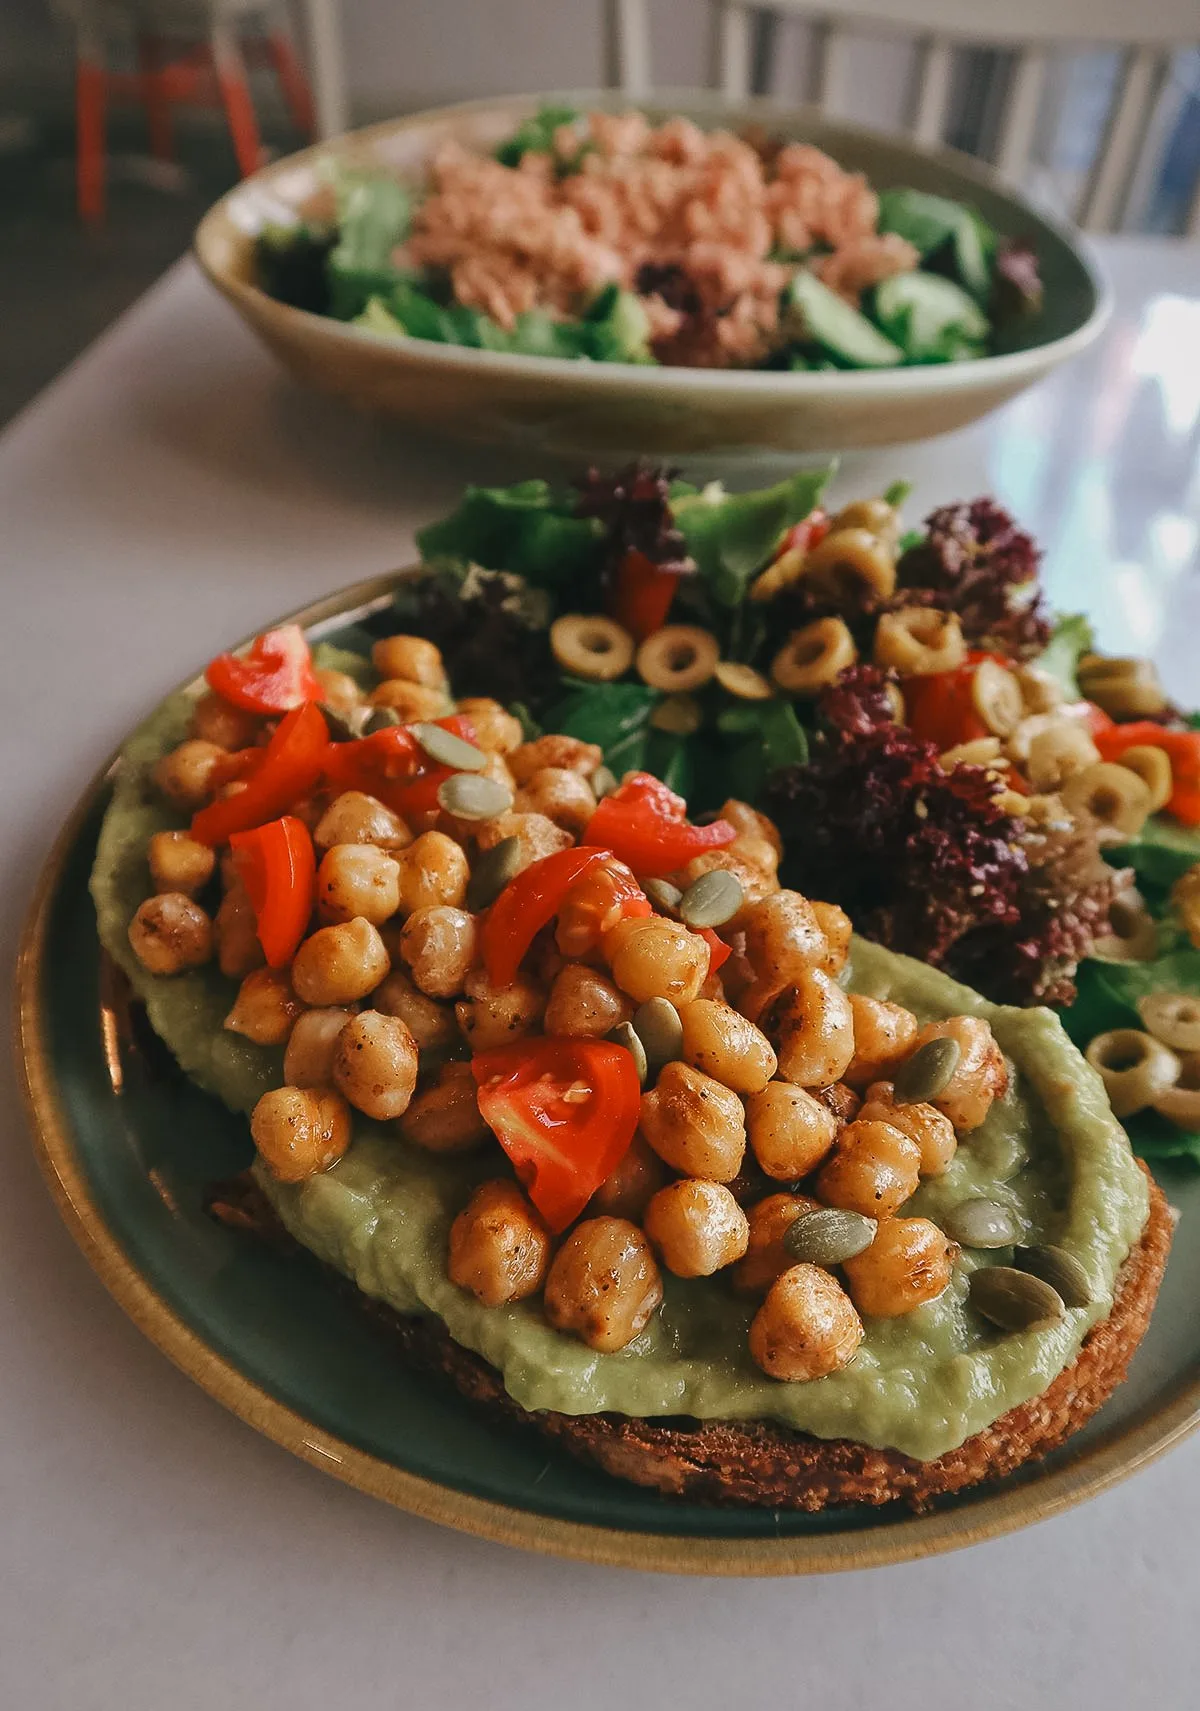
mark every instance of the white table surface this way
{"type": "Point", "coordinates": [169, 493]}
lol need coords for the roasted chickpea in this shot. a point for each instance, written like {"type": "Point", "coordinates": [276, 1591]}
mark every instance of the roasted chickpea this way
{"type": "Point", "coordinates": [445, 1118]}
{"type": "Point", "coordinates": [308, 1060]}
{"type": "Point", "coordinates": [726, 1046]}
{"type": "Point", "coordinates": [874, 1169]}
{"type": "Point", "coordinates": [761, 857]}
{"type": "Point", "coordinates": [981, 1076]}
{"type": "Point", "coordinates": [766, 1258]}
{"type": "Point", "coordinates": [358, 880]}
{"type": "Point", "coordinates": [433, 871]}
{"type": "Point", "coordinates": [410, 701]}
{"type": "Point", "coordinates": [932, 1132]}
{"type": "Point", "coordinates": [569, 753]}
{"type": "Point", "coordinates": [594, 903]}
{"type": "Point", "coordinates": [811, 1026]}
{"type": "Point", "coordinates": [749, 822]}
{"type": "Point", "coordinates": [499, 1247]}
{"type": "Point", "coordinates": [806, 1327]}
{"type": "Point", "coordinates": [632, 1185]}
{"type": "Point", "coordinates": [356, 818]}
{"type": "Point", "coordinates": [432, 1025]}
{"type": "Point", "coordinates": [838, 930]}
{"type": "Point", "coordinates": [170, 933]}
{"type": "Point", "coordinates": [496, 731]}
{"type": "Point", "coordinates": [265, 1009]}
{"type": "Point", "coordinates": [697, 1126]}
{"type": "Point", "coordinates": [536, 836]}
{"type": "Point", "coordinates": [339, 692]}
{"type": "Point", "coordinates": [185, 776]}
{"type": "Point", "coordinates": [492, 1016]}
{"type": "Point", "coordinates": [783, 938]}
{"type": "Point", "coordinates": [375, 1065]}
{"type": "Point", "coordinates": [696, 1227]}
{"type": "Point", "coordinates": [561, 795]}
{"type": "Point", "coordinates": [410, 658]}
{"type": "Point", "coordinates": [236, 931]}
{"type": "Point", "coordinates": [179, 863]}
{"type": "Point", "coordinates": [909, 1262]}
{"type": "Point", "coordinates": [439, 946]}
{"type": "Point", "coordinates": [215, 720]}
{"type": "Point", "coordinates": [651, 957]}
{"type": "Point", "coordinates": [884, 1035]}
{"type": "Point", "coordinates": [583, 1004]}
{"type": "Point", "coordinates": [790, 1130]}
{"type": "Point", "coordinates": [300, 1131]}
{"type": "Point", "coordinates": [340, 964]}
{"type": "Point", "coordinates": [603, 1284]}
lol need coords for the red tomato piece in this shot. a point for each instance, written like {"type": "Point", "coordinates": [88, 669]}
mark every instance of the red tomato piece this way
{"type": "Point", "coordinates": [390, 755]}
{"type": "Point", "coordinates": [643, 594]}
{"type": "Point", "coordinates": [808, 533]}
{"type": "Point", "coordinates": [644, 824]}
{"type": "Point", "coordinates": [1182, 749]}
{"type": "Point", "coordinates": [565, 1111]}
{"type": "Point", "coordinates": [275, 675]}
{"type": "Point", "coordinates": [279, 870]}
{"type": "Point", "coordinates": [526, 905]}
{"type": "Point", "coordinates": [595, 902]}
{"type": "Point", "coordinates": [291, 764]}
{"type": "Point", "coordinates": [719, 952]}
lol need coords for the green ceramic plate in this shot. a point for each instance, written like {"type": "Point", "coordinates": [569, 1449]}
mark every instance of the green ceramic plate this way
{"type": "Point", "coordinates": [128, 1146]}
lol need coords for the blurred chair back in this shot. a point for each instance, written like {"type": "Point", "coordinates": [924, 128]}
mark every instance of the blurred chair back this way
{"type": "Point", "coordinates": [1029, 30]}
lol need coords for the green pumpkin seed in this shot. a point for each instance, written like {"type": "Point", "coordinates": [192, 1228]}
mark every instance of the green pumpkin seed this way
{"type": "Point", "coordinates": [656, 1024]}
{"type": "Point", "coordinates": [382, 719]}
{"type": "Point", "coordinates": [625, 1034]}
{"type": "Point", "coordinates": [1014, 1300]}
{"type": "Point", "coordinates": [1061, 1270]}
{"type": "Point", "coordinates": [449, 750]}
{"type": "Point", "coordinates": [928, 1072]}
{"type": "Point", "coordinates": [664, 896]}
{"type": "Point", "coordinates": [712, 899]}
{"type": "Point", "coordinates": [603, 782]}
{"type": "Point", "coordinates": [981, 1223]}
{"type": "Point", "coordinates": [469, 797]}
{"type": "Point", "coordinates": [829, 1236]}
{"type": "Point", "coordinates": [492, 871]}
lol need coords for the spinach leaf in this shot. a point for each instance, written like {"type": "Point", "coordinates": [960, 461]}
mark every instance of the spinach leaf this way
{"type": "Point", "coordinates": [615, 715]}
{"type": "Point", "coordinates": [1070, 639]}
{"type": "Point", "coordinates": [1160, 854]}
{"type": "Point", "coordinates": [766, 736]}
{"type": "Point", "coordinates": [731, 535]}
{"type": "Point", "coordinates": [527, 529]}
{"type": "Point", "coordinates": [535, 135]}
{"type": "Point", "coordinates": [926, 221]}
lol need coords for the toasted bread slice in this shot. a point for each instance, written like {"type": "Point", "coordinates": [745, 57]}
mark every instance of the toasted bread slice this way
{"type": "Point", "coordinates": [766, 1466]}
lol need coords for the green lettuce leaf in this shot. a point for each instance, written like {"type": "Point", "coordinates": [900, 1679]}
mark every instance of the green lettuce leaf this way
{"type": "Point", "coordinates": [614, 715]}
{"type": "Point", "coordinates": [1160, 854]}
{"type": "Point", "coordinates": [731, 536]}
{"type": "Point", "coordinates": [527, 529]}
{"type": "Point", "coordinates": [535, 135]}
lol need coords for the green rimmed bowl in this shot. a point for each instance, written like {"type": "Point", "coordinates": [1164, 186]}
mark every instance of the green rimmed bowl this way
{"type": "Point", "coordinates": [561, 409]}
{"type": "Point", "coordinates": [128, 1148]}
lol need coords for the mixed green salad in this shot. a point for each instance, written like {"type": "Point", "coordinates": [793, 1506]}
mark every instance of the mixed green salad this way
{"type": "Point", "coordinates": [812, 271]}
{"type": "Point", "coordinates": [946, 759]}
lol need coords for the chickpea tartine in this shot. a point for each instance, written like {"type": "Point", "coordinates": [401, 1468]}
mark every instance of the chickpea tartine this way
{"type": "Point", "coordinates": [640, 1146]}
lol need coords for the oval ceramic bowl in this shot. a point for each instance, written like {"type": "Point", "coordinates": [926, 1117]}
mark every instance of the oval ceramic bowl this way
{"type": "Point", "coordinates": [577, 410]}
{"type": "Point", "coordinates": [128, 1148]}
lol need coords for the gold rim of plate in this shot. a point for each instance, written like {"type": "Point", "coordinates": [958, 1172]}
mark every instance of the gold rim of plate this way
{"type": "Point", "coordinates": [1004, 1510]}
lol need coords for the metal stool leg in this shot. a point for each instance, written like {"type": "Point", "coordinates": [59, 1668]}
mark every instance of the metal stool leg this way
{"type": "Point", "coordinates": [91, 89]}
{"type": "Point", "coordinates": [154, 96]}
{"type": "Point", "coordinates": [232, 82]}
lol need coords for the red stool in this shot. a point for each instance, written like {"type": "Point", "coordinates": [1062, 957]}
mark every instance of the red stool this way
{"type": "Point", "coordinates": [175, 69]}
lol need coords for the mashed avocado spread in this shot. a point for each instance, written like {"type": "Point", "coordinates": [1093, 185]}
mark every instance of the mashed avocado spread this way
{"type": "Point", "coordinates": [1050, 1149]}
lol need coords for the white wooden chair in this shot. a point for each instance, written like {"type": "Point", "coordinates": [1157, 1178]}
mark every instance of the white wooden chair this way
{"type": "Point", "coordinates": [1032, 30]}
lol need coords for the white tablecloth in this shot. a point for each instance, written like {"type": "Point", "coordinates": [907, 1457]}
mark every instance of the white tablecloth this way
{"type": "Point", "coordinates": [170, 492]}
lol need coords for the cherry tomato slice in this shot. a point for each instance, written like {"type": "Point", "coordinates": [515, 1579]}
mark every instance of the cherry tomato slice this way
{"type": "Point", "coordinates": [644, 824]}
{"type": "Point", "coordinates": [525, 906]}
{"type": "Point", "coordinates": [275, 675]}
{"type": "Point", "coordinates": [565, 1111]}
{"type": "Point", "coordinates": [291, 764]}
{"type": "Point", "coordinates": [279, 870]}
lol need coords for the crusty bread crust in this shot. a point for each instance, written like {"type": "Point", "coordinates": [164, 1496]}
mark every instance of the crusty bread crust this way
{"type": "Point", "coordinates": [766, 1466]}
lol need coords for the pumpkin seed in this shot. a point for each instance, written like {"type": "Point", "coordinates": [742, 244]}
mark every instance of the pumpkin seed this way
{"type": "Point", "coordinates": [625, 1034]}
{"type": "Point", "coordinates": [981, 1223]}
{"type": "Point", "coordinates": [712, 899]}
{"type": "Point", "coordinates": [603, 782]}
{"type": "Point", "coordinates": [1014, 1300]}
{"type": "Point", "coordinates": [1061, 1270]}
{"type": "Point", "coordinates": [664, 896]}
{"type": "Point", "coordinates": [656, 1024]}
{"type": "Point", "coordinates": [492, 871]}
{"type": "Point", "coordinates": [449, 750]}
{"type": "Point", "coordinates": [829, 1235]}
{"type": "Point", "coordinates": [341, 728]}
{"type": "Point", "coordinates": [381, 719]}
{"type": "Point", "coordinates": [469, 797]}
{"type": "Point", "coordinates": [928, 1072]}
